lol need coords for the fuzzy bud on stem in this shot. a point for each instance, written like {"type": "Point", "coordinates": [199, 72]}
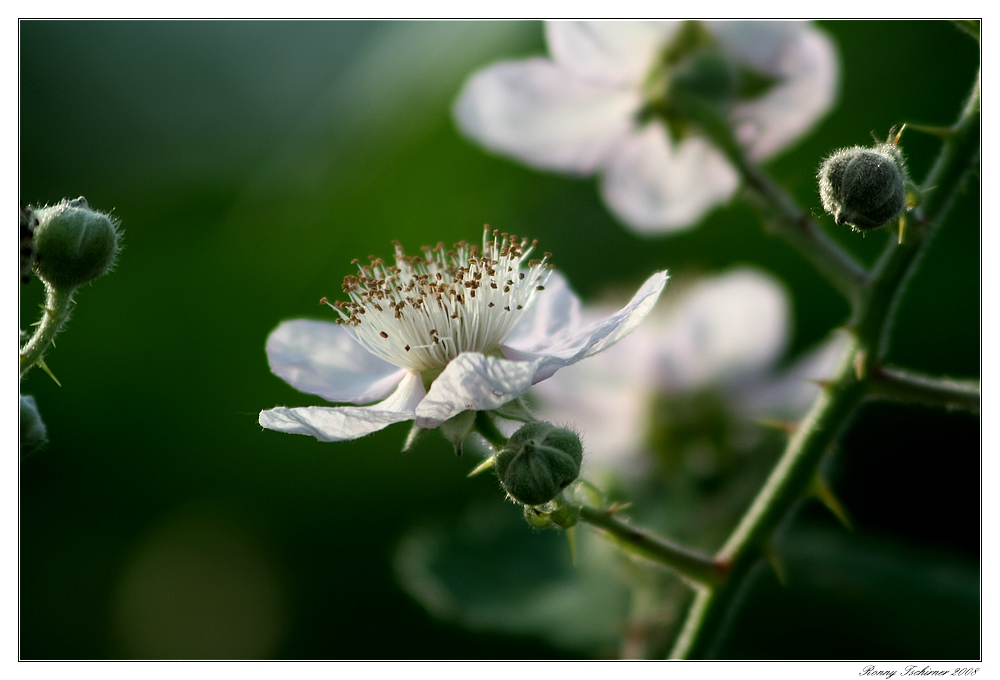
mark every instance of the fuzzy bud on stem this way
{"type": "Point", "coordinates": [73, 244]}
{"type": "Point", "coordinates": [864, 187]}
{"type": "Point", "coordinates": [538, 462]}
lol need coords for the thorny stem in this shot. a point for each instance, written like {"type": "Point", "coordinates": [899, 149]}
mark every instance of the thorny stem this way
{"type": "Point", "coordinates": [489, 431]}
{"type": "Point", "coordinates": [58, 303]}
{"type": "Point", "coordinates": [699, 568]}
{"type": "Point", "coordinates": [908, 386]}
{"type": "Point", "coordinates": [858, 375]}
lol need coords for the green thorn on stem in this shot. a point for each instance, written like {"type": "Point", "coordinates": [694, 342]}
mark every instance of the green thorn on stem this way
{"type": "Point", "coordinates": [48, 371]}
{"type": "Point", "coordinates": [822, 491]}
{"type": "Point", "coordinates": [774, 559]}
{"type": "Point", "coordinates": [484, 466]}
{"type": "Point", "coordinates": [783, 426]}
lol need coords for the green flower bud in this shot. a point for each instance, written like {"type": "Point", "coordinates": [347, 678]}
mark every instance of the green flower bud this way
{"type": "Point", "coordinates": [864, 187]}
{"type": "Point", "coordinates": [73, 244]}
{"type": "Point", "coordinates": [33, 433]}
{"type": "Point", "coordinates": [539, 461]}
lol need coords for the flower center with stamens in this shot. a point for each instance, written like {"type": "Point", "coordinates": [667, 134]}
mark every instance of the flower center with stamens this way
{"type": "Point", "coordinates": [427, 309]}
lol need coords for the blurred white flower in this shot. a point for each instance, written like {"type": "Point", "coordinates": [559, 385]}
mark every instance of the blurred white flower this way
{"type": "Point", "coordinates": [584, 110]}
{"type": "Point", "coordinates": [722, 334]}
{"type": "Point", "coordinates": [479, 326]}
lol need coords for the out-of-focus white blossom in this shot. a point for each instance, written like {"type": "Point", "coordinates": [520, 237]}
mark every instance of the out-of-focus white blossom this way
{"type": "Point", "coordinates": [583, 109]}
{"type": "Point", "coordinates": [723, 334]}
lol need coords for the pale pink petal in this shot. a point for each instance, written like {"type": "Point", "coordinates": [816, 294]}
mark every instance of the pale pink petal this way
{"type": "Point", "coordinates": [757, 44]}
{"type": "Point", "coordinates": [569, 349]}
{"type": "Point", "coordinates": [617, 53]}
{"type": "Point", "coordinates": [654, 185]}
{"type": "Point", "coordinates": [340, 423]}
{"type": "Point", "coordinates": [809, 73]}
{"type": "Point", "coordinates": [554, 314]}
{"type": "Point", "coordinates": [607, 399]}
{"type": "Point", "coordinates": [544, 115]}
{"type": "Point", "coordinates": [319, 357]}
{"type": "Point", "coordinates": [725, 329]}
{"type": "Point", "coordinates": [474, 381]}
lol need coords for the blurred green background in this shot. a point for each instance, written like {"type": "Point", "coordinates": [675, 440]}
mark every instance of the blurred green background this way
{"type": "Point", "coordinates": [249, 162]}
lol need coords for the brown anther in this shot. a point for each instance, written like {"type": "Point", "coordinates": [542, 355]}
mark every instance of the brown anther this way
{"type": "Point", "coordinates": [407, 348]}
{"type": "Point", "coordinates": [324, 301]}
{"type": "Point", "coordinates": [383, 334]}
{"type": "Point", "coordinates": [506, 309]}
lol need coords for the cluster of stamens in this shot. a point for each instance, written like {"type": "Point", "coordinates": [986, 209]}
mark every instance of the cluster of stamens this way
{"type": "Point", "coordinates": [427, 309]}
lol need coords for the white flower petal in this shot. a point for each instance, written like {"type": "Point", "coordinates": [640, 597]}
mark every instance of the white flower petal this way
{"type": "Point", "coordinates": [544, 115]}
{"type": "Point", "coordinates": [553, 315]}
{"type": "Point", "coordinates": [571, 348]}
{"type": "Point", "coordinates": [335, 424]}
{"type": "Point", "coordinates": [757, 44]}
{"type": "Point", "coordinates": [319, 357]}
{"type": "Point", "coordinates": [654, 185]}
{"type": "Point", "coordinates": [607, 399]}
{"type": "Point", "coordinates": [809, 71]}
{"type": "Point", "coordinates": [473, 381]}
{"type": "Point", "coordinates": [611, 52]}
{"type": "Point", "coordinates": [728, 329]}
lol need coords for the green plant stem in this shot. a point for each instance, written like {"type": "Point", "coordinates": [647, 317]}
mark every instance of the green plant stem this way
{"type": "Point", "coordinates": [485, 426]}
{"type": "Point", "coordinates": [873, 305]}
{"type": "Point", "coordinates": [695, 566]}
{"type": "Point", "coordinates": [699, 568]}
{"type": "Point", "coordinates": [786, 218]}
{"type": "Point", "coordinates": [58, 304]}
{"type": "Point", "coordinates": [907, 386]}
